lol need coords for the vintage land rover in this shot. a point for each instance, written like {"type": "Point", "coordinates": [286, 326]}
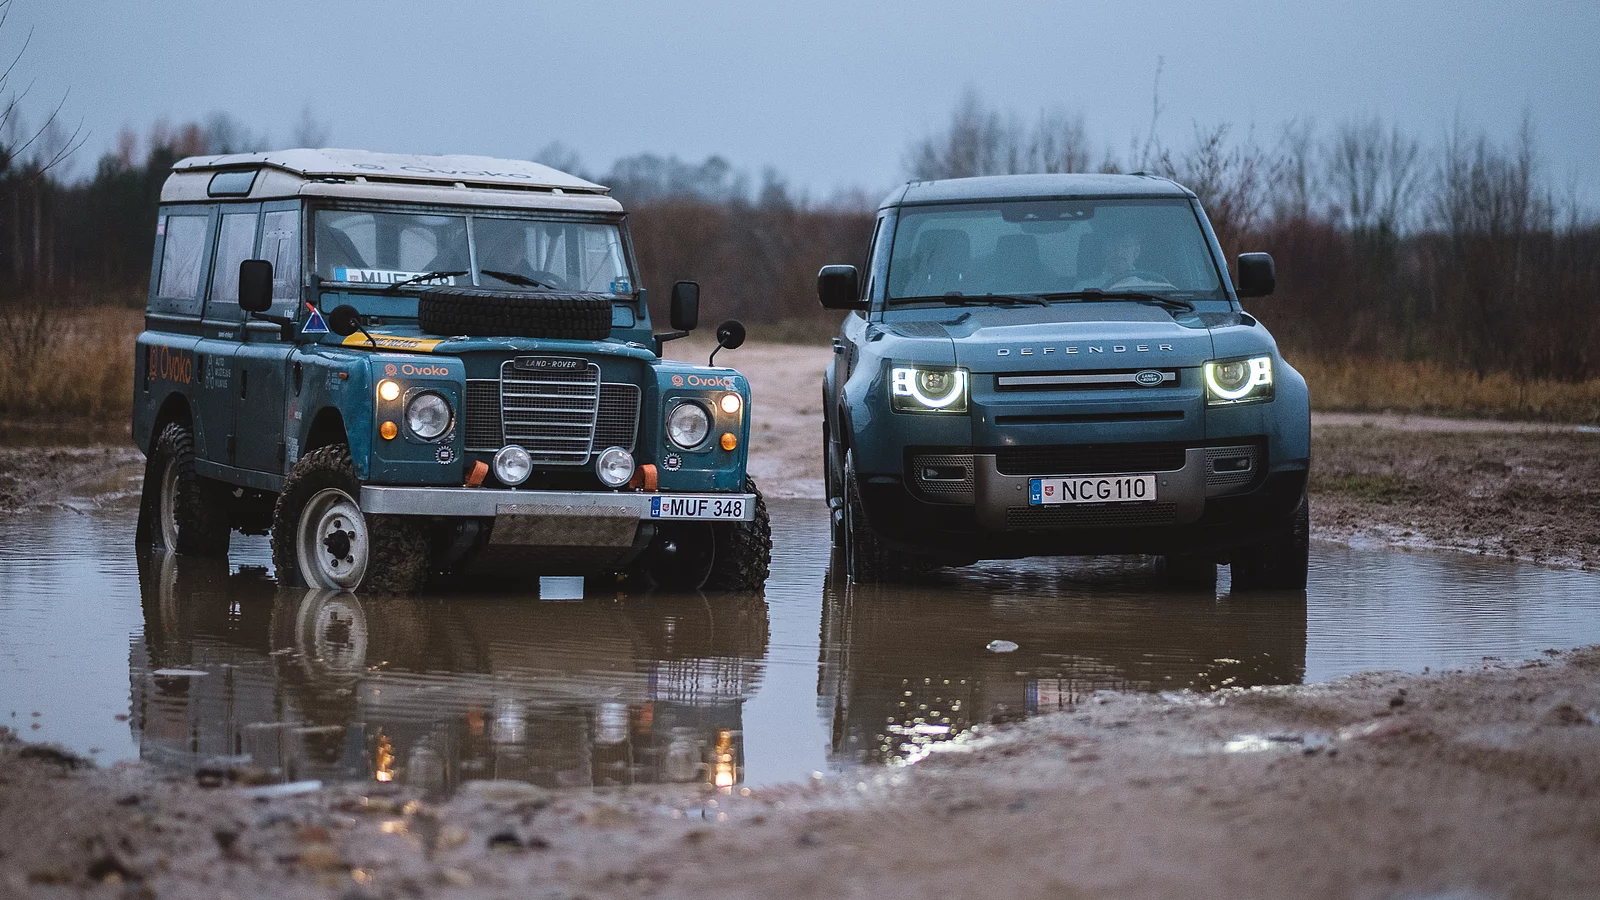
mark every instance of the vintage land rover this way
{"type": "Point", "coordinates": [1042, 365]}
{"type": "Point", "coordinates": [400, 365]}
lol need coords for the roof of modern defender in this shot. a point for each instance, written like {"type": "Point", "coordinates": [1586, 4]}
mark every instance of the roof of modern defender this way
{"type": "Point", "coordinates": [1033, 187]}
{"type": "Point", "coordinates": [383, 177]}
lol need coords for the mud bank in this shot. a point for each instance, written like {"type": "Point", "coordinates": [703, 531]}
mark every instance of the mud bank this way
{"type": "Point", "coordinates": [1481, 783]}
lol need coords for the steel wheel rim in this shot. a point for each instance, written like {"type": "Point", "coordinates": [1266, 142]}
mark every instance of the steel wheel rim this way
{"type": "Point", "coordinates": [168, 511]}
{"type": "Point", "coordinates": [332, 522]}
{"type": "Point", "coordinates": [331, 634]}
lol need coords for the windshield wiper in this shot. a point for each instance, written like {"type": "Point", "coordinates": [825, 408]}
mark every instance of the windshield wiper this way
{"type": "Point", "coordinates": [425, 276]}
{"type": "Point", "coordinates": [1095, 295]}
{"type": "Point", "coordinates": [956, 298]}
{"type": "Point", "coordinates": [516, 279]}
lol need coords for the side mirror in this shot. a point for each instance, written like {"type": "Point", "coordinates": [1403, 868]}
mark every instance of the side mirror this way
{"type": "Point", "coordinates": [838, 287]}
{"type": "Point", "coordinates": [255, 285]}
{"type": "Point", "coordinates": [1257, 275]}
{"type": "Point", "coordinates": [685, 313]}
{"type": "Point", "coordinates": [730, 335]}
{"type": "Point", "coordinates": [344, 320]}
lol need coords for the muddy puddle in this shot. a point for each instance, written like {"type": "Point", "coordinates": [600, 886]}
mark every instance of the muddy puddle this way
{"type": "Point", "coordinates": [197, 666]}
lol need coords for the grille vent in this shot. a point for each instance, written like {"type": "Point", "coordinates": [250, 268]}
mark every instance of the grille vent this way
{"type": "Point", "coordinates": [1090, 459]}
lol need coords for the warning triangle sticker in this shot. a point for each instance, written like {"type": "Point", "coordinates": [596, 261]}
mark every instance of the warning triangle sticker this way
{"type": "Point", "coordinates": [314, 325]}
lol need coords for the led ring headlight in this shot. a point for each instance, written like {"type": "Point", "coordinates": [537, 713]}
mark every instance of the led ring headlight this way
{"type": "Point", "coordinates": [614, 466]}
{"type": "Point", "coordinates": [428, 415]}
{"type": "Point", "coordinates": [1238, 380]}
{"type": "Point", "coordinates": [688, 424]}
{"type": "Point", "coordinates": [928, 390]}
{"type": "Point", "coordinates": [512, 465]}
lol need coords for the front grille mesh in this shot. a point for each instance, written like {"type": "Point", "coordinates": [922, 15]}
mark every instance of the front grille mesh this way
{"type": "Point", "coordinates": [618, 422]}
{"type": "Point", "coordinates": [559, 417]}
{"type": "Point", "coordinates": [942, 489]}
{"type": "Point", "coordinates": [482, 415]}
{"type": "Point", "coordinates": [1090, 459]}
{"type": "Point", "coordinates": [1121, 515]}
{"type": "Point", "coordinates": [1229, 479]}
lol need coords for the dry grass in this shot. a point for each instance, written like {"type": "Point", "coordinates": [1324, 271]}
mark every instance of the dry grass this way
{"type": "Point", "coordinates": [1367, 385]}
{"type": "Point", "coordinates": [65, 366]}
{"type": "Point", "coordinates": [71, 365]}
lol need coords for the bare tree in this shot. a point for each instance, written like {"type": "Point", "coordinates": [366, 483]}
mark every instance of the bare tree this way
{"type": "Point", "coordinates": [16, 141]}
{"type": "Point", "coordinates": [1374, 172]}
{"type": "Point", "coordinates": [308, 130]}
{"type": "Point", "coordinates": [981, 141]}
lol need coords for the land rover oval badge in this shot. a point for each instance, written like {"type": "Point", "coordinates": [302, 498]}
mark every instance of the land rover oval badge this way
{"type": "Point", "coordinates": [1149, 378]}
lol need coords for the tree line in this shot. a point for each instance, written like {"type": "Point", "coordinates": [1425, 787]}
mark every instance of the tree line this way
{"type": "Point", "coordinates": [1455, 250]}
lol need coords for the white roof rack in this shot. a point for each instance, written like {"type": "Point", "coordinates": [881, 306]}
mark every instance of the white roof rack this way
{"type": "Point", "coordinates": [391, 167]}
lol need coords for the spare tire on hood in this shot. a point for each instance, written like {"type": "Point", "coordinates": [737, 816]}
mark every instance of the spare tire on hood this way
{"type": "Point", "coordinates": [480, 313]}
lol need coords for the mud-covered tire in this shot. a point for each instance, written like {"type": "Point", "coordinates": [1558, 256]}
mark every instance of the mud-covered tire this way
{"type": "Point", "coordinates": [1280, 562]}
{"type": "Point", "coordinates": [867, 559]}
{"type": "Point", "coordinates": [743, 557]}
{"type": "Point", "coordinates": [479, 313]}
{"type": "Point", "coordinates": [397, 555]}
{"type": "Point", "coordinates": [178, 509]}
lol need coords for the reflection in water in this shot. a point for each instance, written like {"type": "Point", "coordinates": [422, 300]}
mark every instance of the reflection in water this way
{"type": "Point", "coordinates": [219, 667]}
{"type": "Point", "coordinates": [307, 684]}
{"type": "Point", "coordinates": [904, 668]}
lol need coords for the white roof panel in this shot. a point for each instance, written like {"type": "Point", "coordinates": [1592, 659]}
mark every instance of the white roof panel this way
{"type": "Point", "coordinates": [332, 163]}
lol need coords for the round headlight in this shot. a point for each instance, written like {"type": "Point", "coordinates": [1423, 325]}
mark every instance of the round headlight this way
{"type": "Point", "coordinates": [428, 415]}
{"type": "Point", "coordinates": [614, 466]}
{"type": "Point", "coordinates": [512, 465]}
{"type": "Point", "coordinates": [1230, 376]}
{"type": "Point", "coordinates": [688, 424]}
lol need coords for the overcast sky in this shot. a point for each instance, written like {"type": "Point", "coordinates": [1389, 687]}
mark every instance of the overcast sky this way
{"type": "Point", "coordinates": [826, 91]}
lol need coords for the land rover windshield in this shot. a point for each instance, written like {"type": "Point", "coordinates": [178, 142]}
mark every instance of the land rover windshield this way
{"type": "Point", "coordinates": [419, 250]}
{"type": "Point", "coordinates": [1054, 250]}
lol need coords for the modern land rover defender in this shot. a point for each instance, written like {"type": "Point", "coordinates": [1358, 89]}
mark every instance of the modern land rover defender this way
{"type": "Point", "coordinates": [400, 365]}
{"type": "Point", "coordinates": [1043, 365]}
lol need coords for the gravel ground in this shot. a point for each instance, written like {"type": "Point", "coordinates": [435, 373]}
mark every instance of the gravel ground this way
{"type": "Point", "coordinates": [1477, 784]}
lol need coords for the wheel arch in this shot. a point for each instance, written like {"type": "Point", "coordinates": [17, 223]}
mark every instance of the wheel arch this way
{"type": "Point", "coordinates": [327, 428]}
{"type": "Point", "coordinates": [174, 409]}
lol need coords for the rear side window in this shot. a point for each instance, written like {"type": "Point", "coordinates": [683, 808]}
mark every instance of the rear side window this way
{"type": "Point", "coordinates": [183, 262]}
{"type": "Point", "coordinates": [236, 241]}
{"type": "Point", "coordinates": [280, 245]}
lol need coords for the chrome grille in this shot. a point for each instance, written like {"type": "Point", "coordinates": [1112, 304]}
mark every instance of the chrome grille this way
{"type": "Point", "coordinates": [618, 422]}
{"type": "Point", "coordinates": [949, 490]}
{"type": "Point", "coordinates": [482, 415]}
{"type": "Point", "coordinates": [550, 412]}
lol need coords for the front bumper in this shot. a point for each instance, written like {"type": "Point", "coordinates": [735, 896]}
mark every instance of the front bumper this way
{"type": "Point", "coordinates": [988, 516]}
{"type": "Point", "coordinates": [482, 502]}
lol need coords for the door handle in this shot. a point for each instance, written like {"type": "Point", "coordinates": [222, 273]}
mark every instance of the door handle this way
{"type": "Point", "coordinates": [838, 345]}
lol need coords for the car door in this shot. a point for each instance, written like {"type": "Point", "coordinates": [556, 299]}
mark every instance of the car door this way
{"type": "Point", "coordinates": [262, 360]}
{"type": "Point", "coordinates": [236, 231]}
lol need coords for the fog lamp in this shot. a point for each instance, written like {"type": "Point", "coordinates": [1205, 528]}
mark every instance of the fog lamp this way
{"type": "Point", "coordinates": [614, 466]}
{"type": "Point", "coordinates": [512, 465]}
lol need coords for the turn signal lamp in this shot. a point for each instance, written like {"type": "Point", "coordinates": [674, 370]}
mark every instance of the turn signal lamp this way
{"type": "Point", "coordinates": [388, 429]}
{"type": "Point", "coordinates": [729, 442]}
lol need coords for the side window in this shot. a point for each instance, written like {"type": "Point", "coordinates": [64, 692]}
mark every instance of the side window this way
{"type": "Point", "coordinates": [280, 245]}
{"type": "Point", "coordinates": [183, 258]}
{"type": "Point", "coordinates": [236, 242]}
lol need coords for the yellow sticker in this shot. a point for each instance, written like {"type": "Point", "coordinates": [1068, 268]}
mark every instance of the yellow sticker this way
{"type": "Point", "coordinates": [393, 342]}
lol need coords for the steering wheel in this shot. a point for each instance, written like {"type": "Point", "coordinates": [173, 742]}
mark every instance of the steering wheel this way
{"type": "Point", "coordinates": [1139, 278]}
